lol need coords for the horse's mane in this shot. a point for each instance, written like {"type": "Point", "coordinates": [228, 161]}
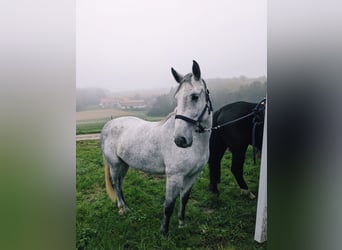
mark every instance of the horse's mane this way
{"type": "Point", "coordinates": [167, 118]}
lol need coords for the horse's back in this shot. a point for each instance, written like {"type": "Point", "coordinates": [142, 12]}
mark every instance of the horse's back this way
{"type": "Point", "coordinates": [232, 111]}
{"type": "Point", "coordinates": [114, 128]}
{"type": "Point", "coordinates": [134, 141]}
{"type": "Point", "coordinates": [237, 134]}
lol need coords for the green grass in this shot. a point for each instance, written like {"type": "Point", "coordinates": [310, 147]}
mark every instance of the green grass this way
{"type": "Point", "coordinates": [95, 126]}
{"type": "Point", "coordinates": [213, 222]}
{"type": "Point", "coordinates": [90, 127]}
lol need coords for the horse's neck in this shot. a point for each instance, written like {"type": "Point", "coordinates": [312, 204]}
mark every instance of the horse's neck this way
{"type": "Point", "coordinates": [168, 124]}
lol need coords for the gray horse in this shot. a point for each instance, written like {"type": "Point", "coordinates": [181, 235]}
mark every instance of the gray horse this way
{"type": "Point", "coordinates": [177, 146]}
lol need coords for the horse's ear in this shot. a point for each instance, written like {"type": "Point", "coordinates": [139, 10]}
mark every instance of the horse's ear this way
{"type": "Point", "coordinates": [178, 77]}
{"type": "Point", "coordinates": [196, 70]}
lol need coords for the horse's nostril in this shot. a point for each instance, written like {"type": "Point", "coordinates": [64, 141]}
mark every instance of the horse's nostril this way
{"type": "Point", "coordinates": [180, 141]}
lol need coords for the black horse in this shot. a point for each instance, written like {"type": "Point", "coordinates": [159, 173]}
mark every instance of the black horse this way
{"type": "Point", "coordinates": [235, 126]}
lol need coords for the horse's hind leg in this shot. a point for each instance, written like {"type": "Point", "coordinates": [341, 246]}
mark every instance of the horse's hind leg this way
{"type": "Point", "coordinates": [118, 170]}
{"type": "Point", "coordinates": [238, 160]}
{"type": "Point", "coordinates": [121, 200]}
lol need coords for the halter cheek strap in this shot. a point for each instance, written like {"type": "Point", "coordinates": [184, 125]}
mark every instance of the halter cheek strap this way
{"type": "Point", "coordinates": [197, 122]}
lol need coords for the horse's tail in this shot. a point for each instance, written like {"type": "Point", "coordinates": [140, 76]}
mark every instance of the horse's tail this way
{"type": "Point", "coordinates": [109, 187]}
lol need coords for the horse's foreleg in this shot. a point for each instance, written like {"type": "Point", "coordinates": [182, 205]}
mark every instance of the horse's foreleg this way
{"type": "Point", "coordinates": [173, 187]}
{"type": "Point", "coordinates": [216, 154]}
{"type": "Point", "coordinates": [184, 197]}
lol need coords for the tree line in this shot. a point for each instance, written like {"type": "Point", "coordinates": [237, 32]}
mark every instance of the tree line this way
{"type": "Point", "coordinates": [222, 92]}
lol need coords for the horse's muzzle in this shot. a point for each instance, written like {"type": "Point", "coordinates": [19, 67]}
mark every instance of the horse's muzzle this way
{"type": "Point", "coordinates": [182, 142]}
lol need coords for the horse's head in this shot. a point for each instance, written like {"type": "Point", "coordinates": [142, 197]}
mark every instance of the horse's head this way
{"type": "Point", "coordinates": [193, 111]}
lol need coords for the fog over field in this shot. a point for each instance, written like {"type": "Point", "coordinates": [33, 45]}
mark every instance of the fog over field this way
{"type": "Point", "coordinates": [131, 45]}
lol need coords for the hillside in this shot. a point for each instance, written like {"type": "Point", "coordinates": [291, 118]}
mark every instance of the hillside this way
{"type": "Point", "coordinates": [160, 102]}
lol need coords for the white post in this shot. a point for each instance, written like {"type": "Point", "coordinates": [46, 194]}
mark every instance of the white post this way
{"type": "Point", "coordinates": [260, 234]}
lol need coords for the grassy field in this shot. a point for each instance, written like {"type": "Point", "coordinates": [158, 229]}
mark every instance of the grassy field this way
{"type": "Point", "coordinates": [213, 222]}
{"type": "Point", "coordinates": [100, 114]}
{"type": "Point", "coordinates": [92, 121]}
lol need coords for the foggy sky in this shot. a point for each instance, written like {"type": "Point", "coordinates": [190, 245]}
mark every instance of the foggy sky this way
{"type": "Point", "coordinates": [131, 44]}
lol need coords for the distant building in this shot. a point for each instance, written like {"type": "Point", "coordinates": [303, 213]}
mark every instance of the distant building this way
{"type": "Point", "coordinates": [109, 102]}
{"type": "Point", "coordinates": [132, 104]}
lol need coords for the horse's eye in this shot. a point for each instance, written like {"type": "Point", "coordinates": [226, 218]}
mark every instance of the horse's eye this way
{"type": "Point", "coordinates": [194, 97]}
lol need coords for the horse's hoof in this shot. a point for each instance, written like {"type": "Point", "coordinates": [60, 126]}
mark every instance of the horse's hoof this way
{"type": "Point", "coordinates": [123, 210]}
{"type": "Point", "coordinates": [251, 196]}
{"type": "Point", "coordinates": [213, 189]}
{"type": "Point", "coordinates": [181, 224]}
{"type": "Point", "coordinates": [163, 231]}
{"type": "Point", "coordinates": [248, 193]}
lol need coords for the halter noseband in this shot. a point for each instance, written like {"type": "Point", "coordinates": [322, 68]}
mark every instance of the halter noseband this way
{"type": "Point", "coordinates": [208, 106]}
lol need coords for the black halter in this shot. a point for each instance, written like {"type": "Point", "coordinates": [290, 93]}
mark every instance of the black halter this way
{"type": "Point", "coordinates": [208, 106]}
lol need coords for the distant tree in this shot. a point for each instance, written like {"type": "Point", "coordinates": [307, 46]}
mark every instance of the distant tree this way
{"type": "Point", "coordinates": [163, 105]}
{"type": "Point", "coordinates": [250, 92]}
{"type": "Point", "coordinates": [88, 97]}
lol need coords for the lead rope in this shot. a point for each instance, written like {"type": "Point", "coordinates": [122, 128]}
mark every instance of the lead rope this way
{"type": "Point", "coordinates": [230, 122]}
